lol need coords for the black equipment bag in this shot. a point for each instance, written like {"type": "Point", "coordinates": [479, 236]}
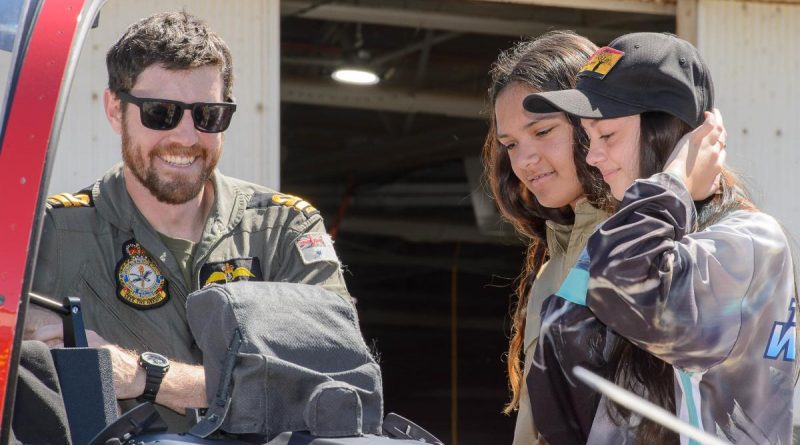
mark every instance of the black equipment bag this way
{"type": "Point", "coordinates": [285, 364]}
{"type": "Point", "coordinates": [283, 357]}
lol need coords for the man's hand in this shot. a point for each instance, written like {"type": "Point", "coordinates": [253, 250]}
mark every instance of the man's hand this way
{"type": "Point", "coordinates": [36, 318]}
{"type": "Point", "coordinates": [699, 156]}
{"type": "Point", "coordinates": [129, 377]}
{"type": "Point", "coordinates": [182, 387]}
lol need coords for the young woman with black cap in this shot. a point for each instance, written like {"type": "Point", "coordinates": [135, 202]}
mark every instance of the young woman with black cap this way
{"type": "Point", "coordinates": [535, 165]}
{"type": "Point", "coordinates": [688, 270]}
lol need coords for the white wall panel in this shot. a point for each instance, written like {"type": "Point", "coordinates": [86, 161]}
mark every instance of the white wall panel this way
{"type": "Point", "coordinates": [88, 146]}
{"type": "Point", "coordinates": [753, 50]}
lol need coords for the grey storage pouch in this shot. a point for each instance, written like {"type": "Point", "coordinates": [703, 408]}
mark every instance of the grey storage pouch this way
{"type": "Point", "coordinates": [302, 364]}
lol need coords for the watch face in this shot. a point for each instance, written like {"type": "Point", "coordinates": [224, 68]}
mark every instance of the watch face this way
{"type": "Point", "coordinates": [155, 359]}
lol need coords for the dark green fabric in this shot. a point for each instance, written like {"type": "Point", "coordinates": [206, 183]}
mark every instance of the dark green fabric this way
{"type": "Point", "coordinates": [183, 250]}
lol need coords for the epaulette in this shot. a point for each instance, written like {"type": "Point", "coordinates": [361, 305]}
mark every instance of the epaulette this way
{"type": "Point", "coordinates": [80, 199]}
{"type": "Point", "coordinates": [264, 200]}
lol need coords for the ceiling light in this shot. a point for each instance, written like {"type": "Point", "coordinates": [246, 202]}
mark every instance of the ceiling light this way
{"type": "Point", "coordinates": [355, 76]}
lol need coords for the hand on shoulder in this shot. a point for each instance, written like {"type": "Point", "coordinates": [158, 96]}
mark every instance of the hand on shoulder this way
{"type": "Point", "coordinates": [699, 156]}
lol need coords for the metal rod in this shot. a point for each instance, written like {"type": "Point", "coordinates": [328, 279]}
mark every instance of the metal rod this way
{"type": "Point", "coordinates": [47, 303]}
{"type": "Point", "coordinates": [644, 407]}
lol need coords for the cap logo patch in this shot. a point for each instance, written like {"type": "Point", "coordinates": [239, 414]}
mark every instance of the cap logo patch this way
{"type": "Point", "coordinates": [601, 62]}
{"type": "Point", "coordinates": [139, 280]}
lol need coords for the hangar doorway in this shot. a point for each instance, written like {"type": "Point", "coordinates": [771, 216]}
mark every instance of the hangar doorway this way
{"type": "Point", "coordinates": [395, 170]}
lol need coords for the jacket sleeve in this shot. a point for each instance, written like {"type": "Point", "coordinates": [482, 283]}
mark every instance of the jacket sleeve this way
{"type": "Point", "coordinates": [45, 279]}
{"type": "Point", "coordinates": [673, 291]}
{"type": "Point", "coordinates": [46, 272]}
{"type": "Point", "coordinates": [307, 256]}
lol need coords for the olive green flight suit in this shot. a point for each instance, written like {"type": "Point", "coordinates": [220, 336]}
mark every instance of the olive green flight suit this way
{"type": "Point", "coordinates": [565, 243]}
{"type": "Point", "coordinates": [99, 247]}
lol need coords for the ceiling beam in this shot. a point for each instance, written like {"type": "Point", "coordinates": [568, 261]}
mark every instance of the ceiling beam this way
{"type": "Point", "coordinates": [445, 21]}
{"type": "Point", "coordinates": [380, 98]}
{"type": "Point", "coordinates": [659, 7]}
{"type": "Point", "coordinates": [423, 46]}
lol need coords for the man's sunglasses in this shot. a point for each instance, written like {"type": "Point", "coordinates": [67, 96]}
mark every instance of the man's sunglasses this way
{"type": "Point", "coordinates": [163, 114]}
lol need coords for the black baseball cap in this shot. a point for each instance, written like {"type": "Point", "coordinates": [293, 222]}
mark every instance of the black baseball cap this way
{"type": "Point", "coordinates": [636, 73]}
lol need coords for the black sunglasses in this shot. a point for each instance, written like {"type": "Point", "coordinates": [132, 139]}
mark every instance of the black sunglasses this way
{"type": "Point", "coordinates": [163, 114]}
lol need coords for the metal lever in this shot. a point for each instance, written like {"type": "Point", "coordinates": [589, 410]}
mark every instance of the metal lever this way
{"type": "Point", "coordinates": [70, 310]}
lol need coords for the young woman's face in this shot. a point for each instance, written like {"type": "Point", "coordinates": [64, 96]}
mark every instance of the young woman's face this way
{"type": "Point", "coordinates": [614, 150]}
{"type": "Point", "coordinates": [539, 147]}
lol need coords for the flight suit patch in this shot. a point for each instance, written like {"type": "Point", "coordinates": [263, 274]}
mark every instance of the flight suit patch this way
{"type": "Point", "coordinates": [263, 200]}
{"type": "Point", "coordinates": [60, 200]}
{"type": "Point", "coordinates": [140, 282]}
{"type": "Point", "coordinates": [316, 247]}
{"type": "Point", "coordinates": [238, 269]}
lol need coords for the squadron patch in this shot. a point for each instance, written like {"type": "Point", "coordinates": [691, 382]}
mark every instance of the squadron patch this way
{"type": "Point", "coordinates": [601, 62]}
{"type": "Point", "coordinates": [316, 247]}
{"type": "Point", "coordinates": [139, 280]}
{"type": "Point", "coordinates": [239, 269]}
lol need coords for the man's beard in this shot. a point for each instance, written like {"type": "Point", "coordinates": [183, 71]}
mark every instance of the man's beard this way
{"type": "Point", "coordinates": [179, 190]}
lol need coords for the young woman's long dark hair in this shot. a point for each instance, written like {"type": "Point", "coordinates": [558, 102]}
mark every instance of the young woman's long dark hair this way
{"type": "Point", "coordinates": [547, 63]}
{"type": "Point", "coordinates": [636, 369]}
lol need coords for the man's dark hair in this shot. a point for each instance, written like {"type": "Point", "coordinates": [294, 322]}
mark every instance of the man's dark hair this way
{"type": "Point", "coordinates": [174, 40]}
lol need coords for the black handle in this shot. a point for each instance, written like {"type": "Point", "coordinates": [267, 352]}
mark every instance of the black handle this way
{"type": "Point", "coordinates": [70, 309]}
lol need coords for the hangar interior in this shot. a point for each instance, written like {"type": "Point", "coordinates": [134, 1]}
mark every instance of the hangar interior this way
{"type": "Point", "coordinates": [395, 170]}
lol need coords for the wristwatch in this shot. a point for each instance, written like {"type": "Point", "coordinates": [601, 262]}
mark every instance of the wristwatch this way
{"type": "Point", "coordinates": [156, 367]}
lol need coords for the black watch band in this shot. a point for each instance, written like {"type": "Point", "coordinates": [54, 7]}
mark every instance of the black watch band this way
{"type": "Point", "coordinates": [156, 367]}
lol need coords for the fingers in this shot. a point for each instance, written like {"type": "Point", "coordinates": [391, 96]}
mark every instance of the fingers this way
{"type": "Point", "coordinates": [718, 116]}
{"type": "Point", "coordinates": [52, 335]}
{"type": "Point", "coordinates": [706, 128]}
{"type": "Point", "coordinates": [36, 318]}
{"type": "Point", "coordinates": [94, 339]}
{"type": "Point", "coordinates": [720, 128]}
{"type": "Point", "coordinates": [716, 186]}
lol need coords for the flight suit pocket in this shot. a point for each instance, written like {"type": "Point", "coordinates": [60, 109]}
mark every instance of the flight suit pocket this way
{"type": "Point", "coordinates": [101, 314]}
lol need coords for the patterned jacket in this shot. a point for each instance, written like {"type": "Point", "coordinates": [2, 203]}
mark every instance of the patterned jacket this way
{"type": "Point", "coordinates": [717, 304]}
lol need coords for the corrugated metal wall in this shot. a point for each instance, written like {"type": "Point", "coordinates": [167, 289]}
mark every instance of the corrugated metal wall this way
{"type": "Point", "coordinates": [88, 146]}
{"type": "Point", "coordinates": [753, 51]}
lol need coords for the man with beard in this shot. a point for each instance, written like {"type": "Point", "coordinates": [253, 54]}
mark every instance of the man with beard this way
{"type": "Point", "coordinates": [165, 222]}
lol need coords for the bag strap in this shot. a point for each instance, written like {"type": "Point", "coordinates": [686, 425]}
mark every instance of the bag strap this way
{"type": "Point", "coordinates": [222, 400]}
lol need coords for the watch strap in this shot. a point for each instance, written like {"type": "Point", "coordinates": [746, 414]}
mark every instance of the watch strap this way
{"type": "Point", "coordinates": [152, 384]}
{"type": "Point", "coordinates": [154, 374]}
